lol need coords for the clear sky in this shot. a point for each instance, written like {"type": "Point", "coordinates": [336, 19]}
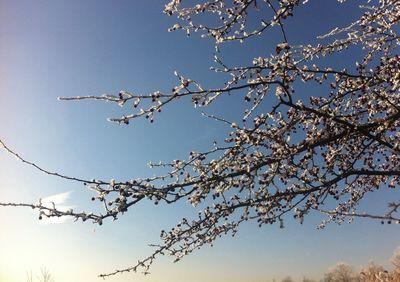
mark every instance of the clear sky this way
{"type": "Point", "coordinates": [73, 47]}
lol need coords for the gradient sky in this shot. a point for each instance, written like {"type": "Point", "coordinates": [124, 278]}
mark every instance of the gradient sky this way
{"type": "Point", "coordinates": [73, 47]}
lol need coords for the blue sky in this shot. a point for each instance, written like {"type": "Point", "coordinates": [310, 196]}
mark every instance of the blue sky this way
{"type": "Point", "coordinates": [71, 48]}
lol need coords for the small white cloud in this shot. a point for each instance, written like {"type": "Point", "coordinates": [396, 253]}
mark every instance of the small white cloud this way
{"type": "Point", "coordinates": [56, 199]}
{"type": "Point", "coordinates": [59, 201]}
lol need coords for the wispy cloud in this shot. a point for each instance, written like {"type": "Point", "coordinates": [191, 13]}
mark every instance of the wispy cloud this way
{"type": "Point", "coordinates": [58, 200]}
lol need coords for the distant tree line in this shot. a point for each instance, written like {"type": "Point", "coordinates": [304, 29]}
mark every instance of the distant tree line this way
{"type": "Point", "coordinates": [343, 272]}
{"type": "Point", "coordinates": [45, 276]}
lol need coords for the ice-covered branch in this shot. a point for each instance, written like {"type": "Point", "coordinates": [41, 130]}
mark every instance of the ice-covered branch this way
{"type": "Point", "coordinates": [292, 150]}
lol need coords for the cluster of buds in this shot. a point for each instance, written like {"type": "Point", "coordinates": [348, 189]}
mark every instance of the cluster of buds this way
{"type": "Point", "coordinates": [300, 154]}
